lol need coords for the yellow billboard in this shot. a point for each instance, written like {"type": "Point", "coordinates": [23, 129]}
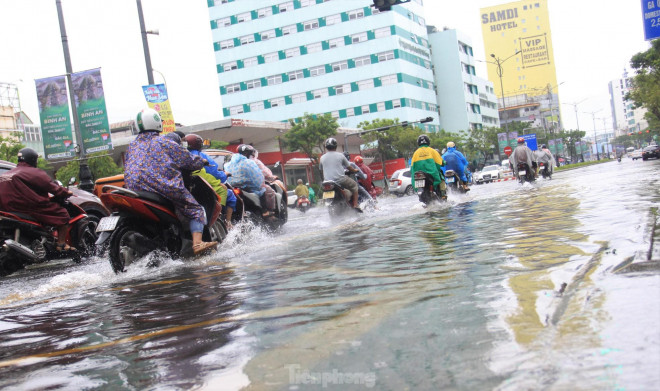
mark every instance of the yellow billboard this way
{"type": "Point", "coordinates": [521, 27]}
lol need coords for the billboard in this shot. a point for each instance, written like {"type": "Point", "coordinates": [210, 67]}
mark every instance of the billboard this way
{"type": "Point", "coordinates": [56, 130]}
{"type": "Point", "coordinates": [157, 99]}
{"type": "Point", "coordinates": [92, 116]}
{"type": "Point", "coordinates": [651, 19]}
{"type": "Point", "coordinates": [519, 26]}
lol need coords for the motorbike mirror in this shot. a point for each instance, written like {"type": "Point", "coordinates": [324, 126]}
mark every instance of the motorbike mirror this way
{"type": "Point", "coordinates": [72, 180]}
{"type": "Point", "coordinates": [277, 164]}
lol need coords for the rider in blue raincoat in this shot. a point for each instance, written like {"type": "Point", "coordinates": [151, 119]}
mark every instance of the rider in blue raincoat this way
{"type": "Point", "coordinates": [454, 160]}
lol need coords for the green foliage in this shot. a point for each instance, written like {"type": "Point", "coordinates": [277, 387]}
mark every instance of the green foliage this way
{"type": "Point", "coordinates": [646, 84]}
{"type": "Point", "coordinates": [70, 170]}
{"type": "Point", "coordinates": [385, 138]}
{"type": "Point", "coordinates": [215, 144]}
{"type": "Point", "coordinates": [569, 137]}
{"type": "Point", "coordinates": [9, 147]}
{"type": "Point", "coordinates": [310, 134]}
{"type": "Point", "coordinates": [99, 163]}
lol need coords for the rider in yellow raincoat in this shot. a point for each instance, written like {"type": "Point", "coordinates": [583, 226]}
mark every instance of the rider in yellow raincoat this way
{"type": "Point", "coordinates": [428, 160]}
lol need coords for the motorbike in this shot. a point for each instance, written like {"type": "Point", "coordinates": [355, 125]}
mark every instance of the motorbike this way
{"type": "Point", "coordinates": [25, 241]}
{"type": "Point", "coordinates": [425, 190]}
{"type": "Point", "coordinates": [454, 182]}
{"type": "Point", "coordinates": [525, 173]}
{"type": "Point", "coordinates": [303, 203]}
{"type": "Point", "coordinates": [143, 222]}
{"type": "Point", "coordinates": [337, 198]}
{"type": "Point", "coordinates": [248, 205]}
{"type": "Point", "coordinates": [544, 169]}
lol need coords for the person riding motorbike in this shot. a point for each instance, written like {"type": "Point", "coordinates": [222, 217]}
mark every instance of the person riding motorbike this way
{"type": "Point", "coordinates": [544, 156]}
{"type": "Point", "coordinates": [312, 193]}
{"type": "Point", "coordinates": [246, 174]}
{"type": "Point", "coordinates": [154, 164]}
{"type": "Point", "coordinates": [428, 160]}
{"type": "Point", "coordinates": [268, 174]}
{"type": "Point", "coordinates": [25, 189]}
{"type": "Point", "coordinates": [333, 164]}
{"type": "Point", "coordinates": [301, 190]}
{"type": "Point", "coordinates": [368, 182]}
{"type": "Point", "coordinates": [522, 154]}
{"type": "Point", "coordinates": [454, 160]}
{"type": "Point", "coordinates": [358, 176]}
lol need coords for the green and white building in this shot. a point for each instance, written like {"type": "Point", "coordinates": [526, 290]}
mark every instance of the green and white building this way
{"type": "Point", "coordinates": [277, 60]}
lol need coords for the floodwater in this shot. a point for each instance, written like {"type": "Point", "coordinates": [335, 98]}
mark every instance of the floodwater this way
{"type": "Point", "coordinates": [508, 288]}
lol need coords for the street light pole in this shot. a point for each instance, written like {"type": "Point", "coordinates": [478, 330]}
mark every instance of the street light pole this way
{"type": "Point", "coordinates": [593, 116]}
{"type": "Point", "coordinates": [145, 43]}
{"type": "Point", "coordinates": [499, 62]}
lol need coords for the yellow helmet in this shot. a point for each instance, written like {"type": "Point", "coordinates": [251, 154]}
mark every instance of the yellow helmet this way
{"type": "Point", "coordinates": [451, 144]}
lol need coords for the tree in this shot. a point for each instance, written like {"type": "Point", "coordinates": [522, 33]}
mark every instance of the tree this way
{"type": "Point", "coordinates": [99, 163]}
{"type": "Point", "coordinates": [479, 144]}
{"type": "Point", "coordinates": [646, 84]}
{"type": "Point", "coordinates": [309, 135]}
{"type": "Point", "coordinates": [9, 147]}
{"type": "Point", "coordinates": [215, 144]}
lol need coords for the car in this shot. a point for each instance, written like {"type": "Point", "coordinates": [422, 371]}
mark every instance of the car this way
{"type": "Point", "coordinates": [651, 151]}
{"type": "Point", "coordinates": [487, 174]}
{"type": "Point", "coordinates": [636, 154]}
{"type": "Point", "coordinates": [401, 183]}
{"type": "Point", "coordinates": [291, 198]}
{"type": "Point", "coordinates": [90, 203]}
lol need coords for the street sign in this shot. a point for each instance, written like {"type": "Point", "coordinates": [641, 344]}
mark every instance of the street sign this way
{"type": "Point", "coordinates": [651, 18]}
{"type": "Point", "coordinates": [508, 150]}
{"type": "Point", "coordinates": [530, 140]}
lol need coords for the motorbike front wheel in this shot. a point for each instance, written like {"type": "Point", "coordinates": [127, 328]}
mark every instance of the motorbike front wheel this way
{"type": "Point", "coordinates": [126, 247]}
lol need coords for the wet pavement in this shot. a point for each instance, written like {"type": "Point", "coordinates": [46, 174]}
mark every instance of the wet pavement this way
{"type": "Point", "coordinates": [549, 285]}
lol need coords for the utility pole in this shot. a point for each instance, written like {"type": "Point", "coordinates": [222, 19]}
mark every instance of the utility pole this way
{"type": "Point", "coordinates": [499, 62]}
{"type": "Point", "coordinates": [593, 116]}
{"type": "Point", "coordinates": [145, 43]}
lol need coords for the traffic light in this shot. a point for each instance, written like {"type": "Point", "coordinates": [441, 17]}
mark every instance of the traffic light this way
{"type": "Point", "coordinates": [386, 5]}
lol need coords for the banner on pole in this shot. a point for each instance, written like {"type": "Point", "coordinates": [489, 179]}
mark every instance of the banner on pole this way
{"type": "Point", "coordinates": [552, 147]}
{"type": "Point", "coordinates": [513, 139]}
{"type": "Point", "coordinates": [55, 119]}
{"type": "Point", "coordinates": [92, 115]}
{"type": "Point", "coordinates": [157, 99]}
{"type": "Point", "coordinates": [502, 142]}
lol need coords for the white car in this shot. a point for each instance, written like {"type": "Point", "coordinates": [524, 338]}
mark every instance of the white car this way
{"type": "Point", "coordinates": [488, 174]}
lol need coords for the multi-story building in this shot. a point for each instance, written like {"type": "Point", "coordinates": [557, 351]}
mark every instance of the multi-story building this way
{"type": "Point", "coordinates": [465, 100]}
{"type": "Point", "coordinates": [279, 60]}
{"type": "Point", "coordinates": [625, 118]}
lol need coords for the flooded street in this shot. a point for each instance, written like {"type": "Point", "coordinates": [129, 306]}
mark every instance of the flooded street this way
{"type": "Point", "coordinates": [511, 287]}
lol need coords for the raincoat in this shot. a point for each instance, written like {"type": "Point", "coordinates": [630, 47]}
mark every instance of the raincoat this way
{"type": "Point", "coordinates": [428, 160]}
{"type": "Point", "coordinates": [214, 170]}
{"type": "Point", "coordinates": [302, 190]}
{"type": "Point", "coordinates": [215, 183]}
{"type": "Point", "coordinates": [245, 174]}
{"type": "Point", "coordinates": [521, 154]}
{"type": "Point", "coordinates": [454, 160]}
{"type": "Point", "coordinates": [154, 164]}
{"type": "Point", "coordinates": [545, 156]}
{"type": "Point", "coordinates": [25, 189]}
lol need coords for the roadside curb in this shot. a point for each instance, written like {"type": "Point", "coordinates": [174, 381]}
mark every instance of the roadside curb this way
{"type": "Point", "coordinates": [649, 260]}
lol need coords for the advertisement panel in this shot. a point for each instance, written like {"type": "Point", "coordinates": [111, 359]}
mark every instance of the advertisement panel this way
{"type": "Point", "coordinates": [651, 19]}
{"type": "Point", "coordinates": [92, 116]}
{"type": "Point", "coordinates": [502, 142]}
{"type": "Point", "coordinates": [513, 139]}
{"type": "Point", "coordinates": [530, 141]}
{"type": "Point", "coordinates": [519, 26]}
{"type": "Point", "coordinates": [390, 167]}
{"type": "Point", "coordinates": [157, 99]}
{"type": "Point", "coordinates": [552, 147]}
{"type": "Point", "coordinates": [559, 143]}
{"type": "Point", "coordinates": [55, 119]}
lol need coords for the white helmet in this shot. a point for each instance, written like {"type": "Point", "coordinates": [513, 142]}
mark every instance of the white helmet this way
{"type": "Point", "coordinates": [148, 120]}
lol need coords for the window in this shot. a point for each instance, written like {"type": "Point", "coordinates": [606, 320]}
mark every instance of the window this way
{"type": "Point", "coordinates": [276, 102]}
{"type": "Point", "coordinates": [366, 84]}
{"type": "Point", "coordinates": [338, 66]}
{"type": "Point", "coordinates": [335, 114]}
{"type": "Point", "coordinates": [350, 112]}
{"type": "Point", "coordinates": [389, 79]}
{"type": "Point", "coordinates": [298, 98]}
{"type": "Point", "coordinates": [343, 89]}
{"type": "Point", "coordinates": [336, 42]}
{"type": "Point", "coordinates": [264, 12]}
{"type": "Point", "coordinates": [293, 52]}
{"type": "Point", "coordinates": [421, 21]}
{"type": "Point", "coordinates": [360, 37]}
{"type": "Point", "coordinates": [253, 84]}
{"type": "Point", "coordinates": [268, 34]}
{"type": "Point", "coordinates": [290, 29]}
{"type": "Point", "coordinates": [356, 14]}
{"type": "Point", "coordinates": [223, 22]}
{"type": "Point", "coordinates": [233, 88]}
{"type": "Point", "coordinates": [230, 66]}
{"type": "Point", "coordinates": [383, 32]}
{"type": "Point", "coordinates": [307, 3]}
{"type": "Point", "coordinates": [320, 93]}
{"type": "Point", "coordinates": [332, 19]}
{"type": "Point", "coordinates": [396, 103]}
{"type": "Point", "coordinates": [317, 71]}
{"type": "Point", "coordinates": [380, 106]}
{"type": "Point", "coordinates": [246, 39]}
{"type": "Point", "coordinates": [362, 61]}
{"type": "Point", "coordinates": [275, 79]}
{"type": "Point", "coordinates": [240, 18]}
{"type": "Point", "coordinates": [286, 7]}
{"type": "Point", "coordinates": [229, 43]}
{"type": "Point", "coordinates": [365, 109]}
{"type": "Point", "coordinates": [295, 75]}
{"type": "Point", "coordinates": [271, 57]}
{"type": "Point", "coordinates": [386, 56]}
{"type": "Point", "coordinates": [311, 24]}
{"type": "Point", "coordinates": [236, 110]}
{"type": "Point", "coordinates": [257, 106]}
{"type": "Point", "coordinates": [314, 47]}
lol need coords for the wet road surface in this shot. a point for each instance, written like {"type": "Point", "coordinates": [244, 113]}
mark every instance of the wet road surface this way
{"type": "Point", "coordinates": [509, 287]}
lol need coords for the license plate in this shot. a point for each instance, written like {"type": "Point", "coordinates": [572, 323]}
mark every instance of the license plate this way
{"type": "Point", "coordinates": [304, 204]}
{"type": "Point", "coordinates": [329, 194]}
{"type": "Point", "coordinates": [450, 179]}
{"type": "Point", "coordinates": [523, 172]}
{"type": "Point", "coordinates": [419, 184]}
{"type": "Point", "coordinates": [107, 224]}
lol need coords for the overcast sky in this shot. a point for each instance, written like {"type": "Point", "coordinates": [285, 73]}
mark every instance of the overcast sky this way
{"type": "Point", "coordinates": [593, 43]}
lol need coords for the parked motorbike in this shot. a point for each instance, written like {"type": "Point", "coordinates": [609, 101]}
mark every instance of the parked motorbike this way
{"type": "Point", "coordinates": [337, 198]}
{"type": "Point", "coordinates": [525, 173]}
{"type": "Point", "coordinates": [425, 190]}
{"type": "Point", "coordinates": [143, 222]}
{"type": "Point", "coordinates": [303, 203]}
{"type": "Point", "coordinates": [248, 205]}
{"type": "Point", "coordinates": [544, 169]}
{"type": "Point", "coordinates": [454, 182]}
{"type": "Point", "coordinates": [24, 241]}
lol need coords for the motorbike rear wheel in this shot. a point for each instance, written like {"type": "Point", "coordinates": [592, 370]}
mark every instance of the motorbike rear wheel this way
{"type": "Point", "coordinates": [125, 248]}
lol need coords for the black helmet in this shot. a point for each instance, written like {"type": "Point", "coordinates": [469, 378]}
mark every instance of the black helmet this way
{"type": "Point", "coordinates": [331, 144]}
{"type": "Point", "coordinates": [194, 142]}
{"type": "Point", "coordinates": [543, 146]}
{"type": "Point", "coordinates": [29, 156]}
{"type": "Point", "coordinates": [174, 137]}
{"type": "Point", "coordinates": [246, 150]}
{"type": "Point", "coordinates": [347, 155]}
{"type": "Point", "coordinates": [423, 140]}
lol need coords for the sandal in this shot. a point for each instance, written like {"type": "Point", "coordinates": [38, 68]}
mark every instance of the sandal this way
{"type": "Point", "coordinates": [64, 247]}
{"type": "Point", "coordinates": [203, 246]}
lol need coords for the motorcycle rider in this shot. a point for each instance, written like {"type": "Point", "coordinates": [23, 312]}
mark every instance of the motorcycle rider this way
{"type": "Point", "coordinates": [544, 156]}
{"type": "Point", "coordinates": [454, 160]}
{"type": "Point", "coordinates": [522, 154]}
{"type": "Point", "coordinates": [368, 182]}
{"type": "Point", "coordinates": [358, 176]}
{"type": "Point", "coordinates": [428, 160]}
{"type": "Point", "coordinates": [25, 189]}
{"type": "Point", "coordinates": [246, 174]}
{"type": "Point", "coordinates": [154, 164]}
{"type": "Point", "coordinates": [333, 164]}
{"type": "Point", "coordinates": [312, 194]}
{"type": "Point", "coordinates": [301, 190]}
